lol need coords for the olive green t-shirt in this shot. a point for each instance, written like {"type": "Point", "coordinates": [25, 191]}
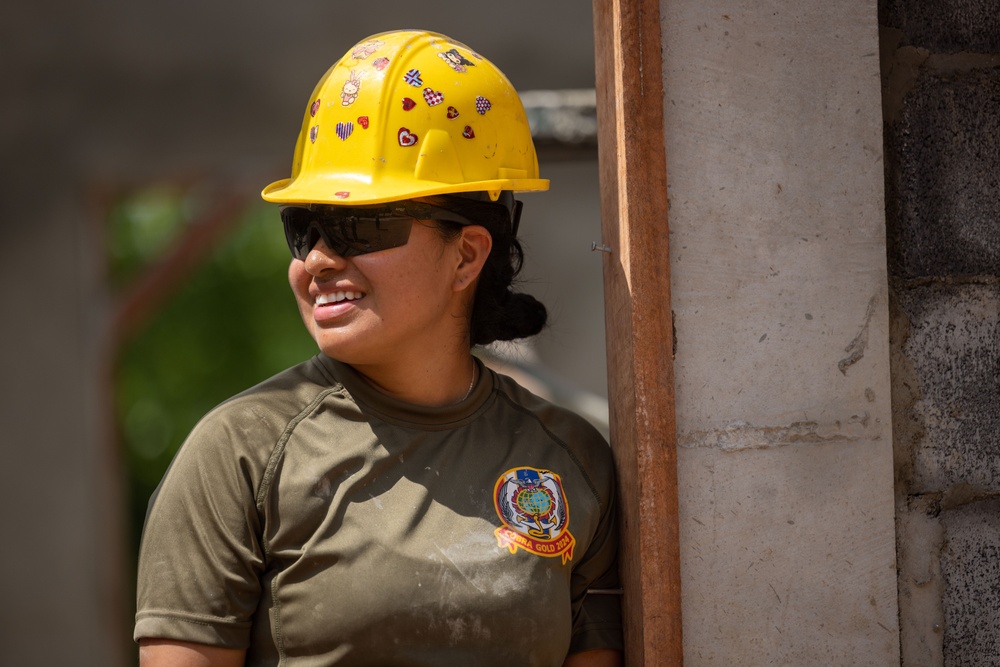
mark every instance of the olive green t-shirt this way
{"type": "Point", "coordinates": [315, 521]}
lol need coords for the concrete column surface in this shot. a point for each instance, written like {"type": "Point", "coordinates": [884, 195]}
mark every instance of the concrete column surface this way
{"type": "Point", "coordinates": [774, 172]}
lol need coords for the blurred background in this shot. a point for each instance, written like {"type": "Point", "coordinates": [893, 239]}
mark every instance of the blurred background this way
{"type": "Point", "coordinates": [144, 280]}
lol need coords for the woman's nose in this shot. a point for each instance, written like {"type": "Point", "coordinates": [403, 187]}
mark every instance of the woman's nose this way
{"type": "Point", "coordinates": [322, 259]}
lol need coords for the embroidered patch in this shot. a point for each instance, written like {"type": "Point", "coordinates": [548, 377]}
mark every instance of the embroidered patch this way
{"type": "Point", "coordinates": [532, 506]}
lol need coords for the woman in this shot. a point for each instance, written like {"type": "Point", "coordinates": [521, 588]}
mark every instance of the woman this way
{"type": "Point", "coordinates": [392, 501]}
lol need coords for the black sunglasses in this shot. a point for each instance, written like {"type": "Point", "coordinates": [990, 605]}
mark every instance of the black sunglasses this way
{"type": "Point", "coordinates": [356, 230]}
{"type": "Point", "coordinates": [344, 231]}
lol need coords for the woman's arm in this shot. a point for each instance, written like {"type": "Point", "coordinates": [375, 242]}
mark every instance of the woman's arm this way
{"type": "Point", "coordinates": [170, 653]}
{"type": "Point", "coordinates": [596, 658]}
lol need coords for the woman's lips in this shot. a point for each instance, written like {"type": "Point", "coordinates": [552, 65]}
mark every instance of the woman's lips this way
{"type": "Point", "coordinates": [331, 305]}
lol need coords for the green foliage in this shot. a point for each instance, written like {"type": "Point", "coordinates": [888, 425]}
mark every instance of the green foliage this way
{"type": "Point", "coordinates": [232, 325]}
{"type": "Point", "coordinates": [141, 226]}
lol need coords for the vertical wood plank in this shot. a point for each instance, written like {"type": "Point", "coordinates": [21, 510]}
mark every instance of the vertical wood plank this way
{"type": "Point", "coordinates": [638, 322]}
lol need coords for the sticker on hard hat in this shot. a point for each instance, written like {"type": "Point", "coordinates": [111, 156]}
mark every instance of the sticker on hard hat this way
{"type": "Point", "coordinates": [406, 138]}
{"type": "Point", "coordinates": [365, 49]}
{"type": "Point", "coordinates": [344, 130]}
{"type": "Point", "coordinates": [455, 60]}
{"type": "Point", "coordinates": [433, 97]}
{"type": "Point", "coordinates": [413, 78]}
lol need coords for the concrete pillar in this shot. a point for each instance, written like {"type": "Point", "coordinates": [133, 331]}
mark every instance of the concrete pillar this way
{"type": "Point", "coordinates": [774, 161]}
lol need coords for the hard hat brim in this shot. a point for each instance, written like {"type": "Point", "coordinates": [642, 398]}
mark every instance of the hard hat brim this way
{"type": "Point", "coordinates": [340, 192]}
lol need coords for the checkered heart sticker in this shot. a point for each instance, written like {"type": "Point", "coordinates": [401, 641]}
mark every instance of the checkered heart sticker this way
{"type": "Point", "coordinates": [344, 130]}
{"type": "Point", "coordinates": [483, 105]}
{"type": "Point", "coordinates": [433, 97]}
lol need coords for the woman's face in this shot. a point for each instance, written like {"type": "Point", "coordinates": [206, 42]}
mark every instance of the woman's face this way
{"type": "Point", "coordinates": [388, 306]}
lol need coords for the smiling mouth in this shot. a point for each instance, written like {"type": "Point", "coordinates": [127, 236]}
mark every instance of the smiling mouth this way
{"type": "Point", "coordinates": [337, 297]}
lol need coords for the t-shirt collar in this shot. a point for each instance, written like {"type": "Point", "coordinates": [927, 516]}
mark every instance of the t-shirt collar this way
{"type": "Point", "coordinates": [385, 407]}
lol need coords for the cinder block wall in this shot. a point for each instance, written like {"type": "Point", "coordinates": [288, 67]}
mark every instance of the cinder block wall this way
{"type": "Point", "coordinates": [941, 88]}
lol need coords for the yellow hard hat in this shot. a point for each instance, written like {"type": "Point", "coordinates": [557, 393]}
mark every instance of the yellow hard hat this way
{"type": "Point", "coordinates": [410, 114]}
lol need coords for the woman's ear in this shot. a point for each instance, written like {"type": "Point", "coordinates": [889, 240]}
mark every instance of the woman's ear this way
{"type": "Point", "coordinates": [473, 247]}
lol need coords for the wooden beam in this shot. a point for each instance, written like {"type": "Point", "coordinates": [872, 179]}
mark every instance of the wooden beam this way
{"type": "Point", "coordinates": [638, 322]}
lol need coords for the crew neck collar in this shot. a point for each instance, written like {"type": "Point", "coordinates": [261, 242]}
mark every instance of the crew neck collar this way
{"type": "Point", "coordinates": [385, 407]}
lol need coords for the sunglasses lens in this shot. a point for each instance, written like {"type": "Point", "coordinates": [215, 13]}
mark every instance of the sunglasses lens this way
{"type": "Point", "coordinates": [345, 232]}
{"type": "Point", "coordinates": [299, 234]}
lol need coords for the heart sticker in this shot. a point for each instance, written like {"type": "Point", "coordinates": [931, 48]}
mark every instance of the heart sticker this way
{"type": "Point", "coordinates": [342, 194]}
{"type": "Point", "coordinates": [344, 130]}
{"type": "Point", "coordinates": [314, 108]}
{"type": "Point", "coordinates": [363, 121]}
{"type": "Point", "coordinates": [408, 104]}
{"type": "Point", "coordinates": [468, 133]}
{"type": "Point", "coordinates": [406, 138]}
{"type": "Point", "coordinates": [413, 78]}
{"type": "Point", "coordinates": [380, 63]}
{"type": "Point", "coordinates": [313, 133]}
{"type": "Point", "coordinates": [433, 97]}
{"type": "Point", "coordinates": [483, 105]}
{"type": "Point", "coordinates": [452, 113]}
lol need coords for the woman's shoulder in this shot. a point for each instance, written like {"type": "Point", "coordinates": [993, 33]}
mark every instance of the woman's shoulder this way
{"type": "Point", "coordinates": [287, 393]}
{"type": "Point", "coordinates": [555, 416]}
{"type": "Point", "coordinates": [585, 443]}
{"type": "Point", "coordinates": [255, 420]}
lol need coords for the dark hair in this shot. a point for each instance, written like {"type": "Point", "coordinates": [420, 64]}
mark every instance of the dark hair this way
{"type": "Point", "coordinates": [498, 311]}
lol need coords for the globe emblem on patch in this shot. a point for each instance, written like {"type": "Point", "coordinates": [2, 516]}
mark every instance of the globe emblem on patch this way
{"type": "Point", "coordinates": [533, 504]}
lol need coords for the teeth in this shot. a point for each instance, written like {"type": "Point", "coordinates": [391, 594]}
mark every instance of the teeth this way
{"type": "Point", "coordinates": [337, 297]}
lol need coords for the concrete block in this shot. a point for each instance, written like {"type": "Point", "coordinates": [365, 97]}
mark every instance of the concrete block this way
{"type": "Point", "coordinates": [786, 559]}
{"type": "Point", "coordinates": [953, 349]}
{"type": "Point", "coordinates": [946, 146]}
{"type": "Point", "coordinates": [971, 567]}
{"type": "Point", "coordinates": [961, 25]}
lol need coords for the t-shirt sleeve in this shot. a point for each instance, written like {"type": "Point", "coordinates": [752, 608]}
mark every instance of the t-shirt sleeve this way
{"type": "Point", "coordinates": [596, 588]}
{"type": "Point", "coordinates": [200, 559]}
